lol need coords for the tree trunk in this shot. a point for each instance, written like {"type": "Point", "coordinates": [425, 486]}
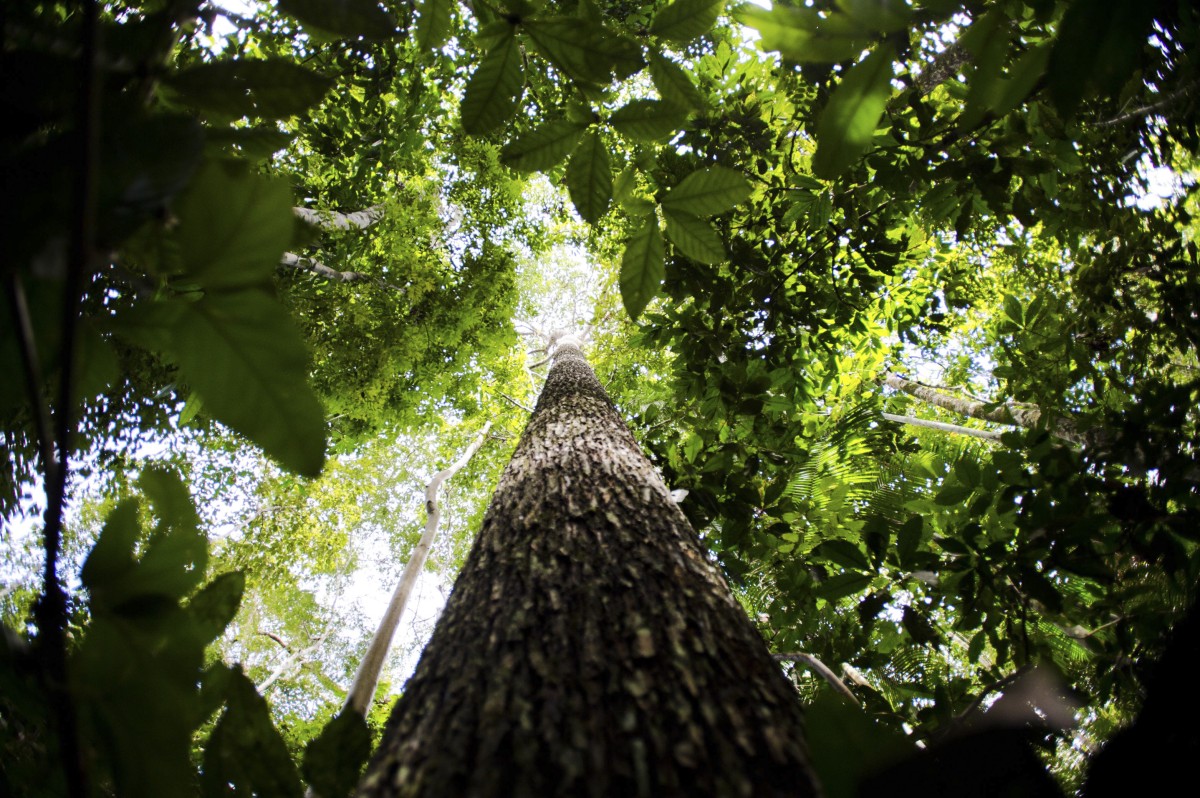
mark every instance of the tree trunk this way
{"type": "Point", "coordinates": [590, 648]}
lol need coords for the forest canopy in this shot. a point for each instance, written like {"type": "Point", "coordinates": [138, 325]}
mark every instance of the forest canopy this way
{"type": "Point", "coordinates": [901, 296]}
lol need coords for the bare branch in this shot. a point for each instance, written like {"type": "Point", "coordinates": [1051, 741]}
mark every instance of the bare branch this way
{"type": "Point", "coordinates": [293, 261]}
{"type": "Point", "coordinates": [990, 435]}
{"type": "Point", "coordinates": [332, 220]}
{"type": "Point", "coordinates": [821, 670]}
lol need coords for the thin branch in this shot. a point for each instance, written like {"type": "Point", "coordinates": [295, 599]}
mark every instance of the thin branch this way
{"type": "Point", "coordinates": [277, 639]}
{"type": "Point", "coordinates": [362, 690]}
{"type": "Point", "coordinates": [990, 435]}
{"type": "Point", "coordinates": [1165, 102]}
{"type": "Point", "coordinates": [33, 374]}
{"type": "Point", "coordinates": [821, 670]}
{"type": "Point", "coordinates": [515, 403]}
{"type": "Point", "coordinates": [293, 261]}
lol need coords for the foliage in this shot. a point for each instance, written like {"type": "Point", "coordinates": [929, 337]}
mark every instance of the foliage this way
{"type": "Point", "coordinates": [956, 192]}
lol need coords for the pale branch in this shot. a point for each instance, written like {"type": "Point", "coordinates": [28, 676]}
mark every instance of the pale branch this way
{"type": "Point", "coordinates": [1166, 101]}
{"type": "Point", "coordinates": [294, 657]}
{"type": "Point", "coordinates": [821, 670]}
{"type": "Point", "coordinates": [958, 429]}
{"type": "Point", "coordinates": [332, 220]}
{"type": "Point", "coordinates": [1028, 418]}
{"type": "Point", "coordinates": [301, 263]}
{"type": "Point", "coordinates": [362, 690]}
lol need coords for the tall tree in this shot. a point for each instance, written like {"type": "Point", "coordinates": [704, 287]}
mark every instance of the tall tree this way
{"type": "Point", "coordinates": [590, 646]}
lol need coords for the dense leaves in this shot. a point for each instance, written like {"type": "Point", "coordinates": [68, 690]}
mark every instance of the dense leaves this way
{"type": "Point", "coordinates": [874, 216]}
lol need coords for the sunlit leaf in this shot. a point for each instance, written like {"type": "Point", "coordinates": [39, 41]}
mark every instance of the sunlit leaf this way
{"type": "Point", "coordinates": [848, 123]}
{"type": "Point", "coordinates": [708, 192]}
{"type": "Point", "coordinates": [648, 120]}
{"type": "Point", "coordinates": [694, 237]}
{"type": "Point", "coordinates": [673, 83]}
{"type": "Point", "coordinates": [434, 23]}
{"type": "Point", "coordinates": [495, 88]}
{"type": "Point", "coordinates": [589, 178]}
{"type": "Point", "coordinates": [796, 34]}
{"type": "Point", "coordinates": [684, 20]}
{"type": "Point", "coordinates": [544, 147]}
{"type": "Point", "coordinates": [642, 268]}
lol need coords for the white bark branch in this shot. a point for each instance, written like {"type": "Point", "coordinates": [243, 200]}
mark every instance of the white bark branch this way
{"type": "Point", "coordinates": [299, 262]}
{"type": "Point", "coordinates": [332, 220]}
{"type": "Point", "coordinates": [363, 688]}
{"type": "Point", "coordinates": [821, 670]}
{"type": "Point", "coordinates": [990, 435]}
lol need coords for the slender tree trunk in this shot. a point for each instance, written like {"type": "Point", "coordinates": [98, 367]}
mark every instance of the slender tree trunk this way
{"type": "Point", "coordinates": [362, 690]}
{"type": "Point", "coordinates": [590, 648]}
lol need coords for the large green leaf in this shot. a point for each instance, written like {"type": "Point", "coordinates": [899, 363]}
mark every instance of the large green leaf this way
{"type": "Point", "coordinates": [648, 120]}
{"type": "Point", "coordinates": [642, 268]}
{"type": "Point", "coordinates": [847, 125]}
{"type": "Point", "coordinates": [589, 178]}
{"type": "Point", "coordinates": [343, 17]}
{"type": "Point", "coordinates": [544, 147]}
{"type": "Point", "coordinates": [684, 20]}
{"type": "Point", "coordinates": [694, 237]}
{"type": "Point", "coordinates": [585, 52]}
{"type": "Point", "coordinates": [1097, 48]}
{"type": "Point", "coordinates": [244, 357]}
{"type": "Point", "coordinates": [334, 759]}
{"type": "Point", "coordinates": [673, 84]}
{"type": "Point", "coordinates": [434, 23]}
{"type": "Point", "coordinates": [233, 227]}
{"type": "Point", "coordinates": [495, 88]}
{"type": "Point", "coordinates": [245, 754]}
{"type": "Point", "coordinates": [708, 192]}
{"type": "Point", "coordinates": [271, 89]}
{"type": "Point", "coordinates": [797, 33]}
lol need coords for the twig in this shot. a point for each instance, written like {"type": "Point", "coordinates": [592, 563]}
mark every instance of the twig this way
{"type": "Point", "coordinates": [277, 639]}
{"type": "Point", "coordinates": [515, 403]}
{"type": "Point", "coordinates": [821, 669]}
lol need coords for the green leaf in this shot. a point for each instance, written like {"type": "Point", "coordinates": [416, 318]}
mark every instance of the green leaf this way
{"type": "Point", "coordinates": [844, 553]}
{"type": "Point", "coordinates": [796, 34]}
{"type": "Point", "coordinates": [684, 20]}
{"type": "Point", "coordinates": [908, 538]}
{"type": "Point", "coordinates": [642, 268]}
{"type": "Point", "coordinates": [544, 147]}
{"type": "Point", "coordinates": [343, 17]}
{"type": "Point", "coordinates": [244, 357]}
{"type": "Point", "coordinates": [585, 52]}
{"type": "Point", "coordinates": [1012, 309]}
{"type": "Point", "coordinates": [708, 192]}
{"type": "Point", "coordinates": [245, 754]}
{"type": "Point", "coordinates": [112, 556]}
{"type": "Point", "coordinates": [1097, 49]}
{"type": "Point", "coordinates": [271, 89]}
{"type": "Point", "coordinates": [695, 237]}
{"type": "Point", "coordinates": [952, 495]}
{"type": "Point", "coordinates": [848, 123]}
{"type": "Point", "coordinates": [1023, 78]}
{"type": "Point", "coordinates": [214, 606]}
{"type": "Point", "coordinates": [494, 90]}
{"type": "Point", "coordinates": [673, 84]}
{"type": "Point", "coordinates": [433, 23]}
{"type": "Point", "coordinates": [589, 178]}
{"type": "Point", "coordinates": [335, 758]}
{"type": "Point", "coordinates": [648, 120]}
{"type": "Point", "coordinates": [842, 585]}
{"type": "Point", "coordinates": [846, 744]}
{"type": "Point", "coordinates": [233, 227]}
{"type": "Point", "coordinates": [252, 143]}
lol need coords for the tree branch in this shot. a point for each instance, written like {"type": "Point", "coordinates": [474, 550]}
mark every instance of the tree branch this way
{"type": "Point", "coordinates": [362, 690]}
{"type": "Point", "coordinates": [990, 435]}
{"type": "Point", "coordinates": [332, 220]}
{"type": "Point", "coordinates": [293, 261]}
{"type": "Point", "coordinates": [821, 670]}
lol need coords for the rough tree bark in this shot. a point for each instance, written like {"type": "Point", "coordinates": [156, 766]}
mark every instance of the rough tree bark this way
{"type": "Point", "coordinates": [590, 648]}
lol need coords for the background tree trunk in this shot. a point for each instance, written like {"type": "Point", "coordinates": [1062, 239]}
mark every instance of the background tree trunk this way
{"type": "Point", "coordinates": [589, 646]}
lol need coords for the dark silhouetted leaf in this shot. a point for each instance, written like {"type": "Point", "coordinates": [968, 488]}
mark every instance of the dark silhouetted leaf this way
{"type": "Point", "coordinates": [589, 178]}
{"type": "Point", "coordinates": [648, 120]}
{"type": "Point", "coordinates": [543, 148]}
{"type": "Point", "coordinates": [270, 89]}
{"type": "Point", "coordinates": [495, 88]}
{"type": "Point", "coordinates": [695, 237]}
{"type": "Point", "coordinates": [684, 20]}
{"type": "Point", "coordinates": [642, 269]}
{"type": "Point", "coordinates": [335, 758]}
{"type": "Point", "coordinates": [343, 17]}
